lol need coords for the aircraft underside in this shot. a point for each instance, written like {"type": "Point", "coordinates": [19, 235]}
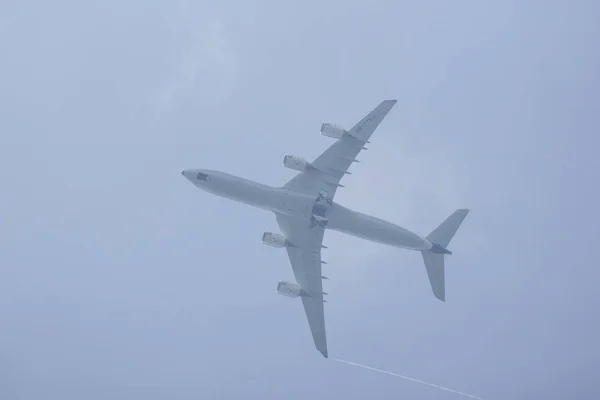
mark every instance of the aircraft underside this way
{"type": "Point", "coordinates": [304, 209]}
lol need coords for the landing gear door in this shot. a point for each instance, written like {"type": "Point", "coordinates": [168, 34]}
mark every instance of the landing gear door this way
{"type": "Point", "coordinates": [321, 208]}
{"type": "Point", "coordinates": [323, 194]}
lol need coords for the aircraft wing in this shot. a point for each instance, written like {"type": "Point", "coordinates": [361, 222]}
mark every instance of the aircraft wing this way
{"type": "Point", "coordinates": [333, 164]}
{"type": "Point", "coordinates": [305, 257]}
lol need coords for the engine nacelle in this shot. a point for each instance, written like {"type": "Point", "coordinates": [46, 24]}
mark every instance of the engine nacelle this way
{"type": "Point", "coordinates": [333, 131]}
{"type": "Point", "coordinates": [296, 163]}
{"type": "Point", "coordinates": [291, 290]}
{"type": "Point", "coordinates": [274, 240]}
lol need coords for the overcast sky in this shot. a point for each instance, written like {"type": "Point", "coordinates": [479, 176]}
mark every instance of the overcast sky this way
{"type": "Point", "coordinates": [121, 280]}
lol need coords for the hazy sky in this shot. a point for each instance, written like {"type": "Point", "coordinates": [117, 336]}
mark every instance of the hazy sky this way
{"type": "Point", "coordinates": [121, 280]}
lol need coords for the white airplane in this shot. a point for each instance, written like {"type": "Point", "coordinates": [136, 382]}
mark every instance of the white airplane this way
{"type": "Point", "coordinates": [304, 208]}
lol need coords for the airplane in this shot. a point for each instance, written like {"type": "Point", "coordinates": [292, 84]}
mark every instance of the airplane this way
{"type": "Point", "coordinates": [304, 209]}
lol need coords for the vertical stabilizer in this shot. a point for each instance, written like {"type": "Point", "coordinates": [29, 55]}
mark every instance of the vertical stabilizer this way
{"type": "Point", "coordinates": [434, 257]}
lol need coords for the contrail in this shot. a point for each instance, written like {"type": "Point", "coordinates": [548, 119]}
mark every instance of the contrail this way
{"type": "Point", "coordinates": [408, 378]}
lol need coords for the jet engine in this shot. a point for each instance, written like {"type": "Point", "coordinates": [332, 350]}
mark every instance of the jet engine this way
{"type": "Point", "coordinates": [274, 240]}
{"type": "Point", "coordinates": [333, 131]}
{"type": "Point", "coordinates": [291, 290]}
{"type": "Point", "coordinates": [296, 163]}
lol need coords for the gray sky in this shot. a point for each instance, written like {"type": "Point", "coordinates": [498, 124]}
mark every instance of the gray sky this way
{"type": "Point", "coordinates": [120, 280]}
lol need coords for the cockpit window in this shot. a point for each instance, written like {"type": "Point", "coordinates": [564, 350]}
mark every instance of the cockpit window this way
{"type": "Point", "coordinates": [201, 176]}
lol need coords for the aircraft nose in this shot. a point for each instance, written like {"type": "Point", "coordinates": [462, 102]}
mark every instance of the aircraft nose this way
{"type": "Point", "coordinates": [188, 174]}
{"type": "Point", "coordinates": [195, 176]}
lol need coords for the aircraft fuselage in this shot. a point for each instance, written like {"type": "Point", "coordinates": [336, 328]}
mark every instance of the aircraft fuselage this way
{"type": "Point", "coordinates": [302, 206]}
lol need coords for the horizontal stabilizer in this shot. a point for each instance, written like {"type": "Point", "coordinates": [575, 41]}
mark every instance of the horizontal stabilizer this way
{"type": "Point", "coordinates": [445, 232]}
{"type": "Point", "coordinates": [434, 257]}
{"type": "Point", "coordinates": [434, 264]}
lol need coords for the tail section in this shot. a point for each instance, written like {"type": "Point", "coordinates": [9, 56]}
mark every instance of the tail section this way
{"type": "Point", "coordinates": [434, 257]}
{"type": "Point", "coordinates": [445, 232]}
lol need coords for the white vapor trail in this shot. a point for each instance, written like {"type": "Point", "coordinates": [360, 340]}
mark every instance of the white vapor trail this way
{"type": "Point", "coordinates": [408, 378]}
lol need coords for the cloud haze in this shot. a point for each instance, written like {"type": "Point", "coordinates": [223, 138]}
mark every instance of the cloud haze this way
{"type": "Point", "coordinates": [119, 279]}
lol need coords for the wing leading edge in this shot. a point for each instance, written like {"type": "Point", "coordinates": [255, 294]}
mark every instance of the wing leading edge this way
{"type": "Point", "coordinates": [305, 258]}
{"type": "Point", "coordinates": [305, 255]}
{"type": "Point", "coordinates": [333, 163]}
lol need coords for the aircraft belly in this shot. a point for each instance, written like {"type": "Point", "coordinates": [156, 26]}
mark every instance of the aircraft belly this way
{"type": "Point", "coordinates": [294, 204]}
{"type": "Point", "coordinates": [266, 197]}
{"type": "Point", "coordinates": [374, 229]}
{"type": "Point", "coordinates": [254, 195]}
